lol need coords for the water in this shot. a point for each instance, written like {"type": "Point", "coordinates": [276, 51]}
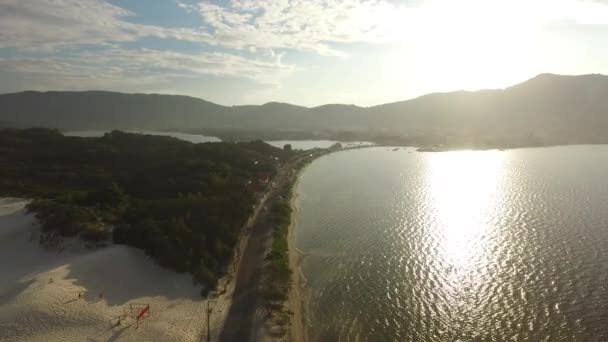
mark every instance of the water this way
{"type": "Point", "coordinates": [193, 138]}
{"type": "Point", "coordinates": [456, 246]}
{"type": "Point", "coordinates": [311, 144]}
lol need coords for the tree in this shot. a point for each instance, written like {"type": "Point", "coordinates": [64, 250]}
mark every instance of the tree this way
{"type": "Point", "coordinates": [182, 203]}
{"type": "Point", "coordinates": [336, 146]}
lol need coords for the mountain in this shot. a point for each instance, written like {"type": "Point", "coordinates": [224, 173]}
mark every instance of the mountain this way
{"type": "Point", "coordinates": [555, 108]}
{"type": "Point", "coordinates": [103, 110]}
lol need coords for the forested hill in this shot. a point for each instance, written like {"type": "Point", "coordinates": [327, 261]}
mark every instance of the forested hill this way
{"type": "Point", "coordinates": [184, 204]}
{"type": "Point", "coordinates": [553, 108]}
{"type": "Point", "coordinates": [108, 110]}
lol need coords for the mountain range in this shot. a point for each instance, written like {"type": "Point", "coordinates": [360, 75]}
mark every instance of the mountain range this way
{"type": "Point", "coordinates": [547, 108]}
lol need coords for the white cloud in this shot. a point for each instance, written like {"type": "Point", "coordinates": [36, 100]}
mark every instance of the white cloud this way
{"type": "Point", "coordinates": [51, 24]}
{"type": "Point", "coordinates": [313, 25]}
{"type": "Point", "coordinates": [58, 31]}
{"type": "Point", "coordinates": [142, 69]}
{"type": "Point", "coordinates": [265, 71]}
{"type": "Point", "coordinates": [186, 6]}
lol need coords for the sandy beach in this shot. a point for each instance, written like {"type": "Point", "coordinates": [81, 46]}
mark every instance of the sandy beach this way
{"type": "Point", "coordinates": [72, 292]}
{"type": "Point", "coordinates": [297, 295]}
{"type": "Point", "coordinates": [81, 294]}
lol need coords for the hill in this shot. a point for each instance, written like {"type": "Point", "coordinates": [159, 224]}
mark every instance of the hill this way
{"type": "Point", "coordinates": [547, 109]}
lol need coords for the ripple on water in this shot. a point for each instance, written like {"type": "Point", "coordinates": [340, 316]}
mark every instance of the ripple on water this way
{"type": "Point", "coordinates": [469, 246]}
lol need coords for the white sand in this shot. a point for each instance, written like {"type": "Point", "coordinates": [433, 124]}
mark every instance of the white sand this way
{"type": "Point", "coordinates": [34, 309]}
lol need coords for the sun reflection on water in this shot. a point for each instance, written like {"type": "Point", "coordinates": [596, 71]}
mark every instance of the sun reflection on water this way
{"type": "Point", "coordinates": [464, 189]}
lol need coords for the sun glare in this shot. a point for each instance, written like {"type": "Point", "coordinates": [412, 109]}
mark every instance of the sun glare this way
{"type": "Point", "coordinates": [464, 186]}
{"type": "Point", "coordinates": [469, 44]}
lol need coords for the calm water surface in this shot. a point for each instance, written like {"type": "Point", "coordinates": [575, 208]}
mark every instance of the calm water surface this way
{"type": "Point", "coordinates": [457, 246]}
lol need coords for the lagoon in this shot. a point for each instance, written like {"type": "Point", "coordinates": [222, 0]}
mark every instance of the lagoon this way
{"type": "Point", "coordinates": [456, 246]}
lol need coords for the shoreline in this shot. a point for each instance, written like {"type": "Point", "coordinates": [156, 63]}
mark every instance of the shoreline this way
{"type": "Point", "coordinates": [297, 296]}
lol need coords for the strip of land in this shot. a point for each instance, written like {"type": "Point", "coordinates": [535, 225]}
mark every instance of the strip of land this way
{"type": "Point", "coordinates": [246, 319]}
{"type": "Point", "coordinates": [297, 296]}
{"type": "Point", "coordinates": [240, 319]}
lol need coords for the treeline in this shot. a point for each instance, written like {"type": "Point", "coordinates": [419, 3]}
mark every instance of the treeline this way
{"type": "Point", "coordinates": [276, 278]}
{"type": "Point", "coordinates": [182, 203]}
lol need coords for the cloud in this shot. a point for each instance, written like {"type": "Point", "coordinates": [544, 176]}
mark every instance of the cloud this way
{"type": "Point", "coordinates": [313, 25]}
{"type": "Point", "coordinates": [321, 26]}
{"type": "Point", "coordinates": [77, 44]}
{"type": "Point", "coordinates": [141, 69]}
{"type": "Point", "coordinates": [318, 26]}
{"type": "Point", "coordinates": [52, 24]}
{"type": "Point", "coordinates": [265, 71]}
{"type": "Point", "coordinates": [186, 6]}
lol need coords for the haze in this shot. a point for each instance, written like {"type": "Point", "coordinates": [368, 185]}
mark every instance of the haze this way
{"type": "Point", "coordinates": [307, 53]}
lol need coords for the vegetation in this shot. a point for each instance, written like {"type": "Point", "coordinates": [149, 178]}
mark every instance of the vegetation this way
{"type": "Point", "coordinates": [276, 279]}
{"type": "Point", "coordinates": [277, 274]}
{"type": "Point", "coordinates": [184, 204]}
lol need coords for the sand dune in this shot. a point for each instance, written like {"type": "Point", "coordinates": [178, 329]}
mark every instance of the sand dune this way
{"type": "Point", "coordinates": [35, 308]}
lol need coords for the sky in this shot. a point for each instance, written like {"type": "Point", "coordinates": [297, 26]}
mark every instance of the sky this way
{"type": "Point", "coordinates": [305, 52]}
